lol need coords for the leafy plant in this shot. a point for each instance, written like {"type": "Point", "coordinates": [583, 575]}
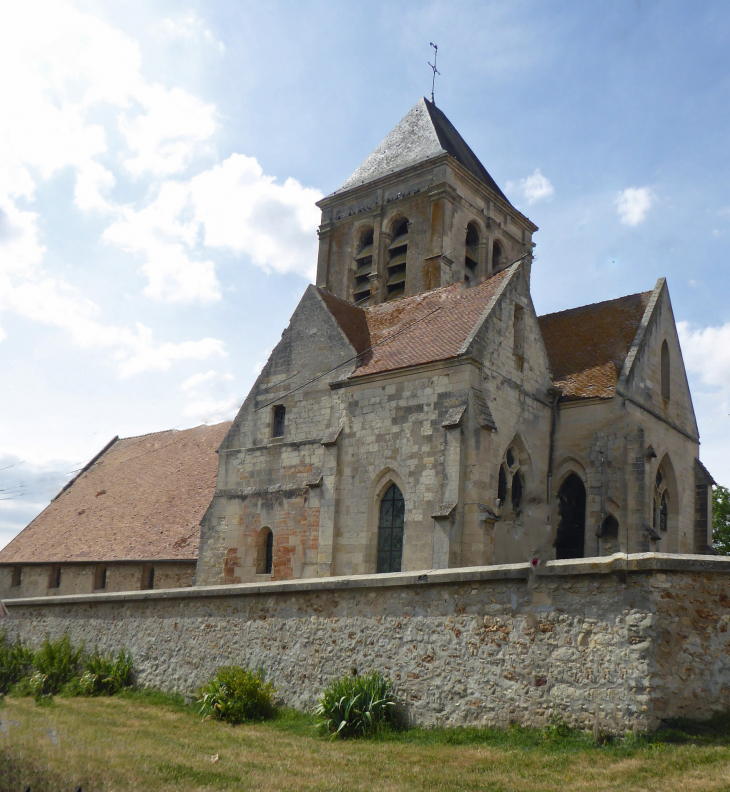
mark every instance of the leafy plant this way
{"type": "Point", "coordinates": [105, 674]}
{"type": "Point", "coordinates": [721, 520]}
{"type": "Point", "coordinates": [237, 694]}
{"type": "Point", "coordinates": [357, 706]}
{"type": "Point", "coordinates": [15, 662]}
{"type": "Point", "coordinates": [56, 664]}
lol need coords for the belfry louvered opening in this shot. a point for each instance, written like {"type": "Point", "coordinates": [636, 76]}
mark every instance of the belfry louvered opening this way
{"type": "Point", "coordinates": [363, 266]}
{"type": "Point", "coordinates": [471, 257]}
{"type": "Point", "coordinates": [397, 256]}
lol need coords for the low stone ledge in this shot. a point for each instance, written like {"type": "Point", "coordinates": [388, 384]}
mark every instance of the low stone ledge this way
{"type": "Point", "coordinates": [636, 563]}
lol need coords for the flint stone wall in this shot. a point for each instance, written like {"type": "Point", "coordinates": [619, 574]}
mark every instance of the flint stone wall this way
{"type": "Point", "coordinates": [622, 642]}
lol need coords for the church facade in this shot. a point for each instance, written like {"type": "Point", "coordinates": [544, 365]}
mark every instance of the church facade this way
{"type": "Point", "coordinates": [417, 414]}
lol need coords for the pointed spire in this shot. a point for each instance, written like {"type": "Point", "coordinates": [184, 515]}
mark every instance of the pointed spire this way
{"type": "Point", "coordinates": [424, 133]}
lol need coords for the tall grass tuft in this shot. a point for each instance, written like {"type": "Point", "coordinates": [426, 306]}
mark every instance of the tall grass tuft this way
{"type": "Point", "coordinates": [358, 706]}
{"type": "Point", "coordinates": [106, 674]}
{"type": "Point", "coordinates": [15, 662]}
{"type": "Point", "coordinates": [56, 663]}
{"type": "Point", "coordinates": [236, 695]}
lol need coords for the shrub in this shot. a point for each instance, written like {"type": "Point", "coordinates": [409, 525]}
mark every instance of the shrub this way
{"type": "Point", "coordinates": [15, 662]}
{"type": "Point", "coordinates": [237, 694]}
{"type": "Point", "coordinates": [105, 674]}
{"type": "Point", "coordinates": [56, 664]}
{"type": "Point", "coordinates": [358, 706]}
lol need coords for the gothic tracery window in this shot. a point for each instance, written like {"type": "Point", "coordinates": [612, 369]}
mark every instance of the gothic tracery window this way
{"type": "Point", "coordinates": [511, 481]}
{"type": "Point", "coordinates": [660, 507]}
{"type": "Point", "coordinates": [390, 530]}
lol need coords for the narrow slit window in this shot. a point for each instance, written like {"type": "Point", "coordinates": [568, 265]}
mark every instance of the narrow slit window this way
{"type": "Point", "coordinates": [363, 267]}
{"type": "Point", "coordinates": [666, 372]}
{"type": "Point", "coordinates": [269, 559]}
{"type": "Point", "coordinates": [518, 346]}
{"type": "Point", "coordinates": [498, 258]}
{"type": "Point", "coordinates": [279, 420]}
{"type": "Point", "coordinates": [17, 577]}
{"type": "Point", "coordinates": [397, 257]}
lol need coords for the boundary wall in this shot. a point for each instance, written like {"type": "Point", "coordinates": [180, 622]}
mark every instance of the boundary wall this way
{"type": "Point", "coordinates": [615, 643]}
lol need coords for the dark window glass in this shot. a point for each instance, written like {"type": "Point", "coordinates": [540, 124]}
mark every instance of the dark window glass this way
{"type": "Point", "coordinates": [279, 419]}
{"type": "Point", "coordinates": [516, 492]}
{"type": "Point", "coordinates": [502, 486]}
{"type": "Point", "coordinates": [664, 513]}
{"type": "Point", "coordinates": [17, 576]}
{"type": "Point", "coordinates": [510, 458]}
{"type": "Point", "coordinates": [269, 553]}
{"type": "Point", "coordinates": [390, 530]}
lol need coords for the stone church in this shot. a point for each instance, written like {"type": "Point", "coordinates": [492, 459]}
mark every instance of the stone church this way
{"type": "Point", "coordinates": [415, 415]}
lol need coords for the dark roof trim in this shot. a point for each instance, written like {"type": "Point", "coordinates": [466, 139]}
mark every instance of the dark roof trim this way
{"type": "Point", "coordinates": [86, 467]}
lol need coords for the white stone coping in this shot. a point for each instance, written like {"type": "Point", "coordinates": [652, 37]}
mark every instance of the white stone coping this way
{"type": "Point", "coordinates": [617, 563]}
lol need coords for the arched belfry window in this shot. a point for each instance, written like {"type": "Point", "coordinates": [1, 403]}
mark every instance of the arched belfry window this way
{"type": "Point", "coordinates": [498, 257]}
{"type": "Point", "coordinates": [666, 372]}
{"type": "Point", "coordinates": [397, 256]}
{"type": "Point", "coordinates": [471, 257]}
{"type": "Point", "coordinates": [390, 530]}
{"type": "Point", "coordinates": [363, 266]}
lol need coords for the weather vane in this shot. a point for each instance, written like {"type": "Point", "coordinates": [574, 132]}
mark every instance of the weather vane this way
{"type": "Point", "coordinates": [433, 68]}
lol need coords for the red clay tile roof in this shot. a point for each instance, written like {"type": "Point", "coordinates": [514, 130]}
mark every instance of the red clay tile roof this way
{"type": "Point", "coordinates": [420, 329]}
{"type": "Point", "coordinates": [143, 499]}
{"type": "Point", "coordinates": [587, 346]}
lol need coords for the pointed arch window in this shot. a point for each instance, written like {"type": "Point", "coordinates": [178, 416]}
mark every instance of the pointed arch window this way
{"type": "Point", "coordinates": [471, 257]}
{"type": "Point", "coordinates": [498, 257]}
{"type": "Point", "coordinates": [390, 530]}
{"type": "Point", "coordinates": [265, 554]}
{"type": "Point", "coordinates": [397, 257]}
{"type": "Point", "coordinates": [661, 502]}
{"type": "Point", "coordinates": [511, 482]}
{"type": "Point", "coordinates": [363, 266]}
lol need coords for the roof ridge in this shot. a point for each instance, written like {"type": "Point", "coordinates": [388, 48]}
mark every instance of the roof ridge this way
{"type": "Point", "coordinates": [593, 305]}
{"type": "Point", "coordinates": [174, 429]}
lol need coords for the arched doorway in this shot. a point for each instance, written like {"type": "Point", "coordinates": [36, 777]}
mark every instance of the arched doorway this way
{"type": "Point", "coordinates": [390, 530]}
{"type": "Point", "coordinates": [570, 540]}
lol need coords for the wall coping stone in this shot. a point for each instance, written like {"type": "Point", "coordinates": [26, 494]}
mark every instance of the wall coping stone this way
{"type": "Point", "coordinates": [636, 563]}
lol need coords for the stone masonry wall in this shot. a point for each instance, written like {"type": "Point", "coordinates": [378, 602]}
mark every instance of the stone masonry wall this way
{"type": "Point", "coordinates": [622, 641]}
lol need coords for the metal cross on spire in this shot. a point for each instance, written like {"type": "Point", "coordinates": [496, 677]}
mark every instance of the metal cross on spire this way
{"type": "Point", "coordinates": [433, 68]}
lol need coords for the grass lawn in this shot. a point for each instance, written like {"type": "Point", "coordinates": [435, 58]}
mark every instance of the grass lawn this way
{"type": "Point", "coordinates": [150, 742]}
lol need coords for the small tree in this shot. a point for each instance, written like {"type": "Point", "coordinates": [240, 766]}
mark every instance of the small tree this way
{"type": "Point", "coordinates": [721, 520]}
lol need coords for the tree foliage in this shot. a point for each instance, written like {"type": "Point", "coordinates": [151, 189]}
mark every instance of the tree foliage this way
{"type": "Point", "coordinates": [721, 520]}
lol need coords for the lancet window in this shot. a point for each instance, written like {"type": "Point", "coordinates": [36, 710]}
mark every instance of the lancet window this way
{"type": "Point", "coordinates": [471, 256]}
{"type": "Point", "coordinates": [363, 266]}
{"type": "Point", "coordinates": [397, 258]}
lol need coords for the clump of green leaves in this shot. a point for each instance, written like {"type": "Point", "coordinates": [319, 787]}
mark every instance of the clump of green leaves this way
{"type": "Point", "coordinates": [358, 706]}
{"type": "Point", "coordinates": [56, 663]}
{"type": "Point", "coordinates": [236, 695]}
{"type": "Point", "coordinates": [15, 662]}
{"type": "Point", "coordinates": [106, 674]}
{"type": "Point", "coordinates": [721, 520]}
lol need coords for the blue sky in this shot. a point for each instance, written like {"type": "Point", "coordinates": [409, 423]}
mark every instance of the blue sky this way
{"type": "Point", "coordinates": [159, 164]}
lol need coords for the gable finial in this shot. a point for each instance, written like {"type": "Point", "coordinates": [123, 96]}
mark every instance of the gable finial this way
{"type": "Point", "coordinates": [433, 68]}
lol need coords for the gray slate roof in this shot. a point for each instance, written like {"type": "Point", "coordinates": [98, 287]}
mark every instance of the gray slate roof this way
{"type": "Point", "coordinates": [424, 133]}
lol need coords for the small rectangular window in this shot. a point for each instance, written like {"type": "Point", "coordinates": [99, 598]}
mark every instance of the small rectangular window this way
{"type": "Point", "coordinates": [17, 576]}
{"type": "Point", "coordinates": [148, 577]}
{"type": "Point", "coordinates": [279, 419]}
{"type": "Point", "coordinates": [54, 577]}
{"type": "Point", "coordinates": [100, 578]}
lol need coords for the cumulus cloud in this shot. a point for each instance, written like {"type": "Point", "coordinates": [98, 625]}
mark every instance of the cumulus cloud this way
{"type": "Point", "coordinates": [190, 28]}
{"type": "Point", "coordinates": [706, 353]}
{"type": "Point", "coordinates": [533, 188]}
{"type": "Point", "coordinates": [633, 203]}
{"type": "Point", "coordinates": [212, 398]}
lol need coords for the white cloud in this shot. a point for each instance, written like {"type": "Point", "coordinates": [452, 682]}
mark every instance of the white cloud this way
{"type": "Point", "coordinates": [190, 28]}
{"type": "Point", "coordinates": [212, 397]}
{"type": "Point", "coordinates": [533, 188]}
{"type": "Point", "coordinates": [633, 203]}
{"type": "Point", "coordinates": [706, 353]}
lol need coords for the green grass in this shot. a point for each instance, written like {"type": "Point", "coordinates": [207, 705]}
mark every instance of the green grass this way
{"type": "Point", "coordinates": [152, 741]}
